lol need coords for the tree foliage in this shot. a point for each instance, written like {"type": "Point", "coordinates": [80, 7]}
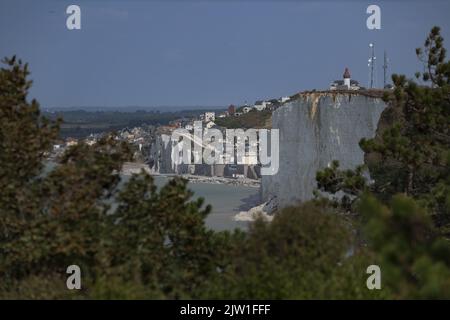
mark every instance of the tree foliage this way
{"type": "Point", "coordinates": [51, 219]}
{"type": "Point", "coordinates": [414, 259]}
{"type": "Point", "coordinates": [411, 152]}
{"type": "Point", "coordinates": [134, 240]}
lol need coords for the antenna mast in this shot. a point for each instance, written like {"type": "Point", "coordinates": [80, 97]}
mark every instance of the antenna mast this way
{"type": "Point", "coordinates": [372, 64]}
{"type": "Point", "coordinates": [385, 66]}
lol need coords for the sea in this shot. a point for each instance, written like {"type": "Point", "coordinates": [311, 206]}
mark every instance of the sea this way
{"type": "Point", "coordinates": [226, 200]}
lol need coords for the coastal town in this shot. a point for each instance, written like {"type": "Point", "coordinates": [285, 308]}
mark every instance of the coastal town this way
{"type": "Point", "coordinates": [149, 153]}
{"type": "Point", "coordinates": [144, 138]}
{"type": "Point", "coordinates": [154, 147]}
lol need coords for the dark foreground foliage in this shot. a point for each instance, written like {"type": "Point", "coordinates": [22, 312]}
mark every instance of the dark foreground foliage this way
{"type": "Point", "coordinates": [134, 241]}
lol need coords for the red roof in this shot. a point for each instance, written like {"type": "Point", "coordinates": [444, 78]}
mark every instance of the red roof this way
{"type": "Point", "coordinates": [347, 74]}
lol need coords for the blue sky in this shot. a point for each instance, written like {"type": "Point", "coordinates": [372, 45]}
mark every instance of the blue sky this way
{"type": "Point", "coordinates": [188, 53]}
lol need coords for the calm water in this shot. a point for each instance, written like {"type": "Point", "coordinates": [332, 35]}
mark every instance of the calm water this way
{"type": "Point", "coordinates": [225, 200]}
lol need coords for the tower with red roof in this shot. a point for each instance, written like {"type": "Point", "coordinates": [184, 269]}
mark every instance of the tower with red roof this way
{"type": "Point", "coordinates": [347, 78]}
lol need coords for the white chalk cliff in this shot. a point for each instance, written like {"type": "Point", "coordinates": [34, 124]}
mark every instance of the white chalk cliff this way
{"type": "Point", "coordinates": [316, 128]}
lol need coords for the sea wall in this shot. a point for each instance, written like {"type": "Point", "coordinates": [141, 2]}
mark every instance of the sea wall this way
{"type": "Point", "coordinates": [316, 128]}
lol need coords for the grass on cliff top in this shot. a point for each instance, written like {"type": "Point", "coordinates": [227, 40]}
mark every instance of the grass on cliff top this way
{"type": "Point", "coordinates": [371, 93]}
{"type": "Point", "coordinates": [253, 119]}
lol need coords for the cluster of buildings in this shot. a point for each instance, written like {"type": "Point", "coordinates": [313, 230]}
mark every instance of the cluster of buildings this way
{"type": "Point", "coordinates": [138, 136]}
{"type": "Point", "coordinates": [141, 136]}
{"type": "Point", "coordinates": [259, 105]}
{"type": "Point", "coordinates": [209, 118]}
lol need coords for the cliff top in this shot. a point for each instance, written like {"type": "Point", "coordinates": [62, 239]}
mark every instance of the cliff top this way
{"type": "Point", "coordinates": [372, 93]}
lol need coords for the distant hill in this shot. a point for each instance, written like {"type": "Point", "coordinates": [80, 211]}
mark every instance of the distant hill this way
{"type": "Point", "coordinates": [132, 108]}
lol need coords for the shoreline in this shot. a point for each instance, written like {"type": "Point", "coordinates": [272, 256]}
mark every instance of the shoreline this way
{"type": "Point", "coordinates": [130, 168]}
{"type": "Point", "coordinates": [265, 211]}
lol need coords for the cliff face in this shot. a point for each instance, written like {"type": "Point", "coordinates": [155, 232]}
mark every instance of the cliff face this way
{"type": "Point", "coordinates": [316, 128]}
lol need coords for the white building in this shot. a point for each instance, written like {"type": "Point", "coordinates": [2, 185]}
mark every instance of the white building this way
{"type": "Point", "coordinates": [346, 84]}
{"type": "Point", "coordinates": [210, 124]}
{"type": "Point", "coordinates": [246, 109]}
{"type": "Point", "coordinates": [261, 105]}
{"type": "Point", "coordinates": [209, 116]}
{"type": "Point", "coordinates": [90, 142]}
{"type": "Point", "coordinates": [71, 142]}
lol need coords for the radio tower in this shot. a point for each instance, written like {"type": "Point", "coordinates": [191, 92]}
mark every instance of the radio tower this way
{"type": "Point", "coordinates": [371, 65]}
{"type": "Point", "coordinates": [385, 66]}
